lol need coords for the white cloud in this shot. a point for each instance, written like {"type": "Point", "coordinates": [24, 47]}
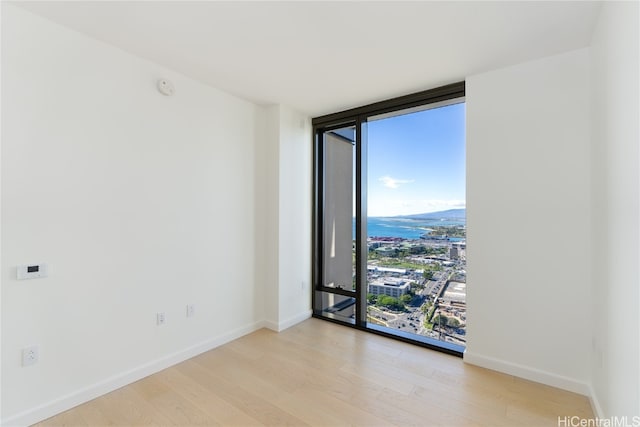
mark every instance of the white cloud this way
{"type": "Point", "coordinates": [389, 182]}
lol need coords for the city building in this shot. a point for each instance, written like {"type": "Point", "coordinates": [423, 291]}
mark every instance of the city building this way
{"type": "Point", "coordinates": [390, 286]}
{"type": "Point", "coordinates": [387, 251]}
{"type": "Point", "coordinates": [454, 252]}
{"type": "Point", "coordinates": [390, 270]}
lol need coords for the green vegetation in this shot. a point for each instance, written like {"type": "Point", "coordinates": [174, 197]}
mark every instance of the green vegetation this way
{"type": "Point", "coordinates": [435, 251]}
{"type": "Point", "coordinates": [440, 319]}
{"type": "Point", "coordinates": [415, 286]}
{"type": "Point", "coordinates": [430, 269]}
{"type": "Point", "coordinates": [386, 301]}
{"type": "Point", "coordinates": [396, 258]}
{"type": "Point", "coordinates": [371, 298]}
{"type": "Point", "coordinates": [451, 231]}
{"type": "Point", "coordinates": [428, 325]}
{"type": "Point", "coordinates": [443, 320]}
{"type": "Point", "coordinates": [428, 308]}
{"type": "Point", "coordinates": [453, 322]}
{"type": "Point", "coordinates": [390, 302]}
{"type": "Point", "coordinates": [401, 263]}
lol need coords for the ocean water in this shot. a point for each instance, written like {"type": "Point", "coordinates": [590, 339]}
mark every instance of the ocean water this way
{"type": "Point", "coordinates": [404, 228]}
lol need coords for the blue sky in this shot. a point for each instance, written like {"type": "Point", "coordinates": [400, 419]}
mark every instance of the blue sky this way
{"type": "Point", "coordinates": [416, 162]}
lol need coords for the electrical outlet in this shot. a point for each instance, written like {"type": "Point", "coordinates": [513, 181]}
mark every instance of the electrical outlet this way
{"type": "Point", "coordinates": [191, 310]}
{"type": "Point", "coordinates": [30, 355]}
{"type": "Point", "coordinates": [161, 319]}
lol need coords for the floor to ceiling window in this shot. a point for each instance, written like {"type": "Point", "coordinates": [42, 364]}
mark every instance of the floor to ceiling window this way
{"type": "Point", "coordinates": [389, 218]}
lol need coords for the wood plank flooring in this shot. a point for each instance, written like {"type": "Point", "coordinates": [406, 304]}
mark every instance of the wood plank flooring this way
{"type": "Point", "coordinates": [322, 374]}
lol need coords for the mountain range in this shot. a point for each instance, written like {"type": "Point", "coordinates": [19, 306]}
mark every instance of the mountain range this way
{"type": "Point", "coordinates": [448, 214]}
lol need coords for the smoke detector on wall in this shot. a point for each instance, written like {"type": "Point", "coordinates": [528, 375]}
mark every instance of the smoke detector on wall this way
{"type": "Point", "coordinates": [165, 87]}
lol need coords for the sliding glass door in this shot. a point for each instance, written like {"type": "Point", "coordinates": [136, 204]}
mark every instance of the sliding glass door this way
{"type": "Point", "coordinates": [389, 218]}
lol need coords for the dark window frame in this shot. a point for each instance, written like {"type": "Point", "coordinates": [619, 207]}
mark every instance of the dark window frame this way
{"type": "Point", "coordinates": [358, 118]}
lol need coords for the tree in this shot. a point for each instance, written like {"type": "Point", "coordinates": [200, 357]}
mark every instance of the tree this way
{"type": "Point", "coordinates": [440, 320]}
{"type": "Point", "coordinates": [453, 322]}
{"type": "Point", "coordinates": [406, 299]}
{"type": "Point", "coordinates": [428, 325]}
{"type": "Point", "coordinates": [390, 302]}
{"type": "Point", "coordinates": [371, 298]}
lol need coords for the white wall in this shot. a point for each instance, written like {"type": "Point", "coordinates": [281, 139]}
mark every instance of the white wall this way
{"type": "Point", "coordinates": [616, 189]}
{"type": "Point", "coordinates": [138, 202]}
{"type": "Point", "coordinates": [295, 177]}
{"type": "Point", "coordinates": [283, 184]}
{"type": "Point", "coordinates": [528, 208]}
{"type": "Point", "coordinates": [267, 211]}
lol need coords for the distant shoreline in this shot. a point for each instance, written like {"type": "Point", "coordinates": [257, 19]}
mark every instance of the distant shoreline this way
{"type": "Point", "coordinates": [405, 229]}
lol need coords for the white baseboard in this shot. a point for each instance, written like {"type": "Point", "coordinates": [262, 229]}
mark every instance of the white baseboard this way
{"type": "Point", "coordinates": [528, 373]}
{"type": "Point", "coordinates": [270, 324]}
{"type": "Point", "coordinates": [294, 320]}
{"type": "Point", "coordinates": [287, 323]}
{"type": "Point", "coordinates": [595, 403]}
{"type": "Point", "coordinates": [86, 394]}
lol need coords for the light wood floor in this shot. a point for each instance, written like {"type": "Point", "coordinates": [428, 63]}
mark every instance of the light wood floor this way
{"type": "Point", "coordinates": [318, 373]}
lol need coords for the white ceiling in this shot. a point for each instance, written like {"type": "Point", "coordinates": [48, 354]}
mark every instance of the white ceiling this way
{"type": "Point", "coordinates": [322, 57]}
